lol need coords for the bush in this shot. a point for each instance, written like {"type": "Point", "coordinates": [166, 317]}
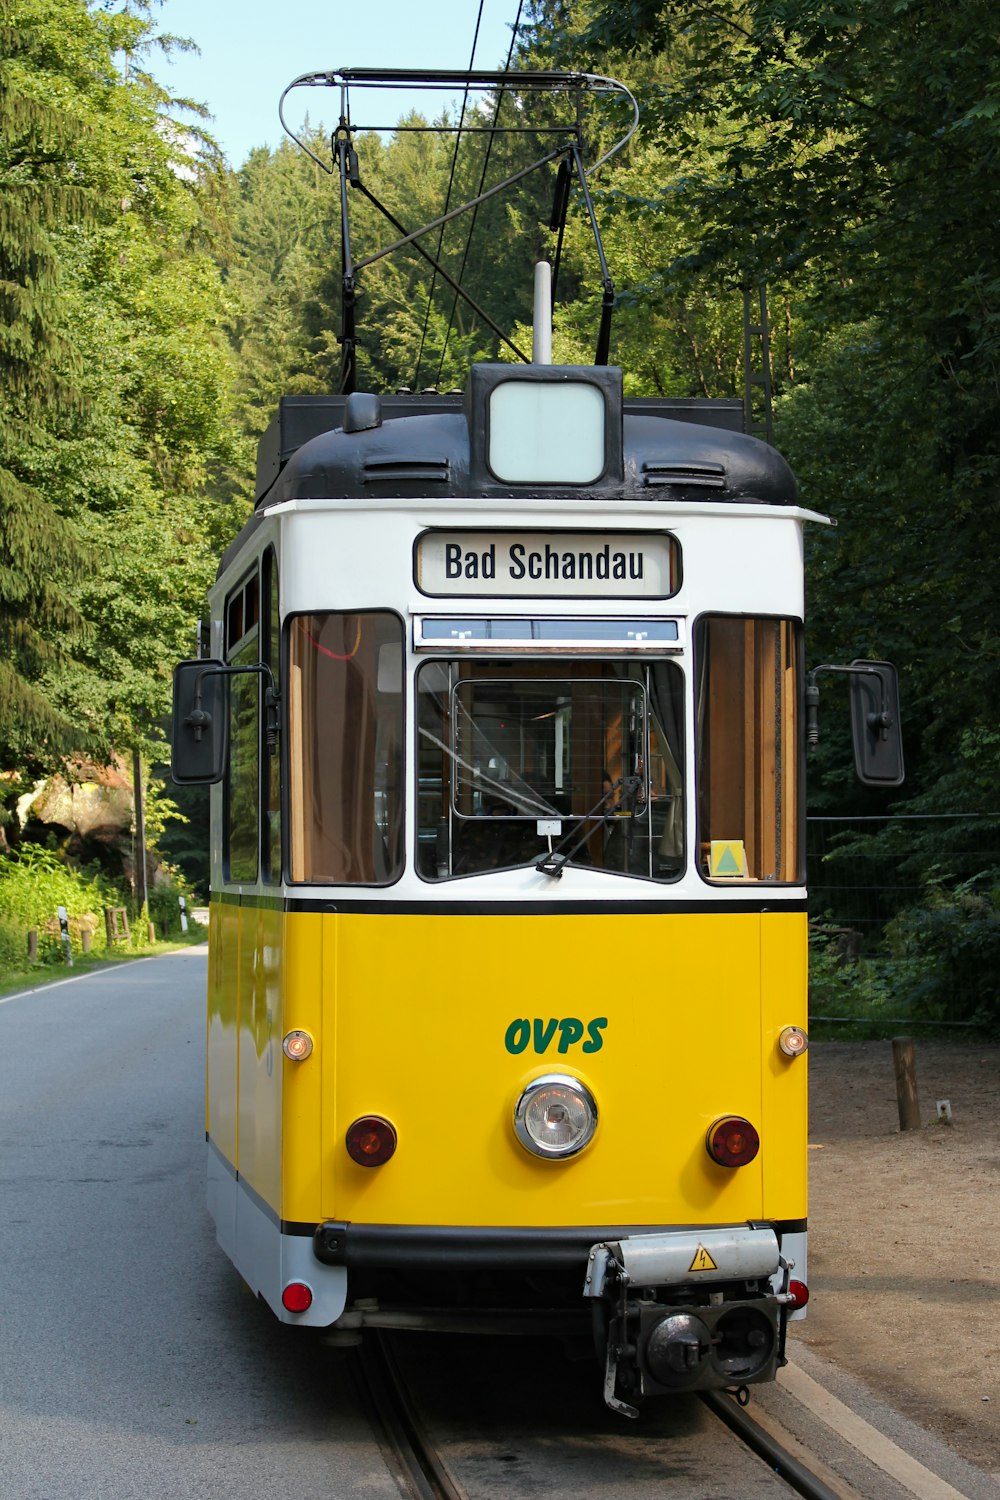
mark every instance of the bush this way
{"type": "Point", "coordinates": [13, 948]}
{"type": "Point", "coordinates": [946, 952]}
{"type": "Point", "coordinates": [938, 964]}
{"type": "Point", "coordinates": [164, 905]}
{"type": "Point", "coordinates": [846, 987]}
{"type": "Point", "coordinates": [34, 882]}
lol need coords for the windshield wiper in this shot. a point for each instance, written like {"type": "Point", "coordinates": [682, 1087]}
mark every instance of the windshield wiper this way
{"type": "Point", "coordinates": [555, 861]}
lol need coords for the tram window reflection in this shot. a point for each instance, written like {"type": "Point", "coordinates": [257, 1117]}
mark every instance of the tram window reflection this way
{"type": "Point", "coordinates": [516, 758]}
{"type": "Point", "coordinates": [346, 747]}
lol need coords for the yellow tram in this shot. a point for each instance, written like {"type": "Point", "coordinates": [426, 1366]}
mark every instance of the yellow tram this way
{"type": "Point", "coordinates": [505, 715]}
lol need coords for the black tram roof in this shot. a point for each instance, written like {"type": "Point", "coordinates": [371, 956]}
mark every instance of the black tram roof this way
{"type": "Point", "coordinates": [427, 445]}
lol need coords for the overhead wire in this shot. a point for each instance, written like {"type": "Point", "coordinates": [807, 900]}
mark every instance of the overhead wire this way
{"type": "Point", "coordinates": [482, 180]}
{"type": "Point", "coordinates": [447, 200]}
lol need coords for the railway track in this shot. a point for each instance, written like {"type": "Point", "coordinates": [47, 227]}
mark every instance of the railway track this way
{"type": "Point", "coordinates": [392, 1409]}
{"type": "Point", "coordinates": [427, 1464]}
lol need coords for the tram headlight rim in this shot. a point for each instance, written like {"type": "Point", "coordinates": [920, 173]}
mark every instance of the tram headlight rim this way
{"type": "Point", "coordinates": [579, 1093]}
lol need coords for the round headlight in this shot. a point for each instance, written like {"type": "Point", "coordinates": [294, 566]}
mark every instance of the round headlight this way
{"type": "Point", "coordinates": [555, 1117]}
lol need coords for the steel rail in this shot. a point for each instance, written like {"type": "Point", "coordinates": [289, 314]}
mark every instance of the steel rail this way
{"type": "Point", "coordinates": [391, 1407]}
{"type": "Point", "coordinates": [795, 1474]}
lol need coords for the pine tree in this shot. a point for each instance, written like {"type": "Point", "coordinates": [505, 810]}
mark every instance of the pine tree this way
{"type": "Point", "coordinates": [39, 191]}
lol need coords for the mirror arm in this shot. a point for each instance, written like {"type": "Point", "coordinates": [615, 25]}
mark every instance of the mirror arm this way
{"type": "Point", "coordinates": [879, 721]}
{"type": "Point", "coordinates": [199, 720]}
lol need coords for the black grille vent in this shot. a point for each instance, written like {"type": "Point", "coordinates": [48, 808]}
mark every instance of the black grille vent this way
{"type": "Point", "coordinates": [408, 470]}
{"type": "Point", "coordinates": [708, 476]}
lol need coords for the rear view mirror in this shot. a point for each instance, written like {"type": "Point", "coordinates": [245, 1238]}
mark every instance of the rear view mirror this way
{"type": "Point", "coordinates": [878, 745]}
{"type": "Point", "coordinates": [200, 729]}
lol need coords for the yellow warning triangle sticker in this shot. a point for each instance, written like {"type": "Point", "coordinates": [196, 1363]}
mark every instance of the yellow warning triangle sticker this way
{"type": "Point", "coordinates": [702, 1261]}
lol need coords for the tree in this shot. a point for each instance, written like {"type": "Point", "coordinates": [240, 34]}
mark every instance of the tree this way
{"type": "Point", "coordinates": [45, 59]}
{"type": "Point", "coordinates": [115, 384]}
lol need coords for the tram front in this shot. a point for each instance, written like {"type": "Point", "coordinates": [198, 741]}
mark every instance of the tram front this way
{"type": "Point", "coordinates": [533, 820]}
{"type": "Point", "coordinates": [563, 1022]}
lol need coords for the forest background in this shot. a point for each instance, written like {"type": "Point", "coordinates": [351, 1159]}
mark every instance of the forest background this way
{"type": "Point", "coordinates": [157, 300]}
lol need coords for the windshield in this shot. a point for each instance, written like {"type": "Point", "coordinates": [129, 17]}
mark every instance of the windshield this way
{"type": "Point", "coordinates": [516, 760]}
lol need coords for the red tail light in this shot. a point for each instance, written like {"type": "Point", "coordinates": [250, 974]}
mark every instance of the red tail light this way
{"type": "Point", "coordinates": [732, 1141]}
{"type": "Point", "coordinates": [799, 1294]}
{"type": "Point", "coordinates": [371, 1140]}
{"type": "Point", "coordinates": [297, 1297]}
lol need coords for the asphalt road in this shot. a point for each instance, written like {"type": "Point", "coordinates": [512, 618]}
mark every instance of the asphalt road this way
{"type": "Point", "coordinates": [133, 1362]}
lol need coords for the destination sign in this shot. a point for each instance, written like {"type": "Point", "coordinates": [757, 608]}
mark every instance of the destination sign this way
{"type": "Point", "coordinates": [533, 564]}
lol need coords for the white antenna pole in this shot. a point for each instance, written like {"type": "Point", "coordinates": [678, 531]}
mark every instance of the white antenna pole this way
{"type": "Point", "coordinates": [541, 343]}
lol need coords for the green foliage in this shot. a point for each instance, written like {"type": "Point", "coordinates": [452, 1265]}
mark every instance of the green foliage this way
{"type": "Point", "coordinates": [115, 382]}
{"type": "Point", "coordinates": [43, 125]}
{"type": "Point", "coordinates": [185, 839]}
{"type": "Point", "coordinates": [35, 882]}
{"type": "Point", "coordinates": [946, 952]}
{"type": "Point", "coordinates": [12, 948]}
{"type": "Point", "coordinates": [164, 908]}
{"type": "Point", "coordinates": [852, 993]}
{"type": "Point", "coordinates": [937, 966]}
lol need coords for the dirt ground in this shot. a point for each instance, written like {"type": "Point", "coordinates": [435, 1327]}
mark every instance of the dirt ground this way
{"type": "Point", "coordinates": [904, 1235]}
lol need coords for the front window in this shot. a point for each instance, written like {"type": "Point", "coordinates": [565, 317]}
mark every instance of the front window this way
{"type": "Point", "coordinates": [749, 772]}
{"type": "Point", "coordinates": [345, 686]}
{"type": "Point", "coordinates": [522, 760]}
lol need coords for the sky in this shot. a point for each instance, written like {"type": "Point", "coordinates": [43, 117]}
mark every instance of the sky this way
{"type": "Point", "coordinates": [251, 49]}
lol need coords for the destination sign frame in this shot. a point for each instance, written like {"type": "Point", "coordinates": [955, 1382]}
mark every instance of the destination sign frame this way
{"type": "Point", "coordinates": [482, 564]}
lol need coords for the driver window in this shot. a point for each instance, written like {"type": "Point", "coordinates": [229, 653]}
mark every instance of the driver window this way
{"type": "Point", "coordinates": [520, 759]}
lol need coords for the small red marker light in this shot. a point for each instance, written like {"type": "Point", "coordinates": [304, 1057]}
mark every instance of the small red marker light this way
{"type": "Point", "coordinates": [732, 1141]}
{"type": "Point", "coordinates": [371, 1140]}
{"type": "Point", "coordinates": [799, 1294]}
{"type": "Point", "coordinates": [297, 1297]}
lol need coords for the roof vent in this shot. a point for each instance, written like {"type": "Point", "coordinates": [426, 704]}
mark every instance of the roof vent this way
{"type": "Point", "coordinates": [362, 411]}
{"type": "Point", "coordinates": [710, 476]}
{"type": "Point", "coordinates": [405, 471]}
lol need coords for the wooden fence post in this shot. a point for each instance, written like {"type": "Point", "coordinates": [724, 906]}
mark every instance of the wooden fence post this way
{"type": "Point", "coordinates": [904, 1060]}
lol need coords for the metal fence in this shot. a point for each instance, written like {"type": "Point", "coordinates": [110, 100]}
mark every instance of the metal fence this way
{"type": "Point", "coordinates": [863, 870]}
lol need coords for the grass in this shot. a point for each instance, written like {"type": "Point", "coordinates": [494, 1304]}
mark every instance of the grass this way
{"type": "Point", "coordinates": [41, 975]}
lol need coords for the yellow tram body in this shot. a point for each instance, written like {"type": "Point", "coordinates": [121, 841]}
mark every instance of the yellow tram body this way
{"type": "Point", "coordinates": [507, 976]}
{"type": "Point", "coordinates": [678, 1050]}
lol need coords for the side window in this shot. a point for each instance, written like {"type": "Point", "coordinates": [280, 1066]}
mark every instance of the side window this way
{"type": "Point", "coordinates": [271, 653]}
{"type": "Point", "coordinates": [242, 783]}
{"type": "Point", "coordinates": [748, 768]}
{"type": "Point", "coordinates": [345, 749]}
